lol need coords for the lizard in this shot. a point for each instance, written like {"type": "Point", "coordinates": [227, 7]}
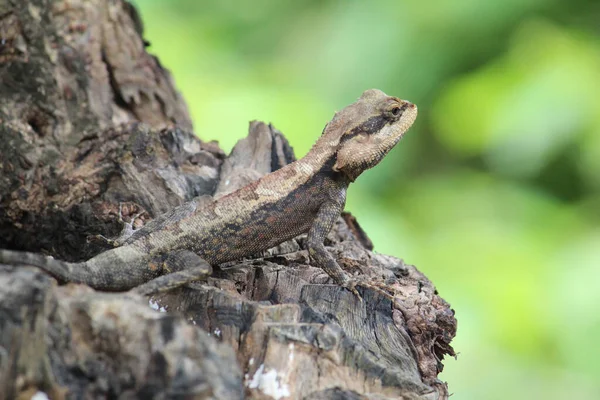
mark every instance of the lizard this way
{"type": "Point", "coordinates": [306, 195]}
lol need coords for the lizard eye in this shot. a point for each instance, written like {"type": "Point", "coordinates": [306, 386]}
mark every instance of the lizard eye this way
{"type": "Point", "coordinates": [394, 111]}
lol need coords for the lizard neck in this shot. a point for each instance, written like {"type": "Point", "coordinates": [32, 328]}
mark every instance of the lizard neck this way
{"type": "Point", "coordinates": [323, 155]}
{"type": "Point", "coordinates": [321, 159]}
{"type": "Point", "coordinates": [319, 154]}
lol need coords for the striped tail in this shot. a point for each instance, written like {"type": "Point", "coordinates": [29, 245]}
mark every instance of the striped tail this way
{"type": "Point", "coordinates": [60, 270]}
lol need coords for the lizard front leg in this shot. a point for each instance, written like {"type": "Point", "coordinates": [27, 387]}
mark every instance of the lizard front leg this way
{"type": "Point", "coordinates": [326, 217]}
{"type": "Point", "coordinates": [317, 252]}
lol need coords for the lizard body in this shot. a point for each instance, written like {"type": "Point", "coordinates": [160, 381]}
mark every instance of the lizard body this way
{"type": "Point", "coordinates": [305, 196]}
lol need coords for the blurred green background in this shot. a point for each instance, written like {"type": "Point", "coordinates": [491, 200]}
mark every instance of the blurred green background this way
{"type": "Point", "coordinates": [494, 193]}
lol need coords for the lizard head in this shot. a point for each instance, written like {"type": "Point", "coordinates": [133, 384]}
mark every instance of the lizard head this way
{"type": "Point", "coordinates": [367, 130]}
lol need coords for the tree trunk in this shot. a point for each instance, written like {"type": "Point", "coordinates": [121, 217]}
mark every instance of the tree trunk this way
{"type": "Point", "coordinates": [92, 128]}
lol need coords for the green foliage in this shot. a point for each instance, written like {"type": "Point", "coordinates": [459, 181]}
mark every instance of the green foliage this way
{"type": "Point", "coordinates": [494, 194]}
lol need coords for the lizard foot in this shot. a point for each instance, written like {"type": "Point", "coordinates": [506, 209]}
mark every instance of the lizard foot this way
{"type": "Point", "coordinates": [126, 231]}
{"type": "Point", "coordinates": [103, 239]}
{"type": "Point", "coordinates": [380, 287]}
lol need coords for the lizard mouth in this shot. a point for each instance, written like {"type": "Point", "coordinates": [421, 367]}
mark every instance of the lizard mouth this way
{"type": "Point", "coordinates": [409, 115]}
{"type": "Point", "coordinates": [397, 129]}
{"type": "Point", "coordinates": [407, 119]}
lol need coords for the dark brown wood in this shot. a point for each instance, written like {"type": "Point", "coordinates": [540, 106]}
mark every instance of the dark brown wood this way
{"type": "Point", "coordinates": [90, 126]}
{"type": "Point", "coordinates": [75, 84]}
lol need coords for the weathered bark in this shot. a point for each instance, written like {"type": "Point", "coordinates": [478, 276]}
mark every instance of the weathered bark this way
{"type": "Point", "coordinates": [91, 124]}
{"type": "Point", "coordinates": [75, 81]}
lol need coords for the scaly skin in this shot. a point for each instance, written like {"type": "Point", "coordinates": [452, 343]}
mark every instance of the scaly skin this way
{"type": "Point", "coordinates": [307, 195]}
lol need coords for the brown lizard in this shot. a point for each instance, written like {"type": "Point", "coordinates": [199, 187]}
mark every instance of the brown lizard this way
{"type": "Point", "coordinates": [307, 195]}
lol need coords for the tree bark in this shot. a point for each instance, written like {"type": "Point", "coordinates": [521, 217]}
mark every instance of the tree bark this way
{"type": "Point", "coordinates": [92, 128]}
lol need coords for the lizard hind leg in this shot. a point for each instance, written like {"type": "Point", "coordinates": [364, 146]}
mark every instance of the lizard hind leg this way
{"type": "Point", "coordinates": [181, 267]}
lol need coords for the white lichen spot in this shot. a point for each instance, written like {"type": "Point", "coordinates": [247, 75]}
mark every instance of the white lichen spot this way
{"type": "Point", "coordinates": [40, 396]}
{"type": "Point", "coordinates": [217, 332]}
{"type": "Point", "coordinates": [251, 361]}
{"type": "Point", "coordinates": [253, 384]}
{"type": "Point", "coordinates": [155, 306]}
{"type": "Point", "coordinates": [269, 383]}
{"type": "Point", "coordinates": [291, 349]}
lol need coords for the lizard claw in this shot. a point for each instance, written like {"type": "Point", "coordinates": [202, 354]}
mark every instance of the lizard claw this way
{"type": "Point", "coordinates": [103, 239]}
{"type": "Point", "coordinates": [351, 284]}
{"type": "Point", "coordinates": [382, 288]}
{"type": "Point", "coordinates": [126, 231]}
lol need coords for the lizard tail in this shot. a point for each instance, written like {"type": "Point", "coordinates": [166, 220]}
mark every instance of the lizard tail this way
{"type": "Point", "coordinates": [60, 270]}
